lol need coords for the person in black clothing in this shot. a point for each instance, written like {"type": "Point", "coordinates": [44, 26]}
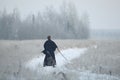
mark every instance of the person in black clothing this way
{"type": "Point", "coordinates": [49, 49]}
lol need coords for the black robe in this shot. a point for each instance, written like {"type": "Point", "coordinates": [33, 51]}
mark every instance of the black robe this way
{"type": "Point", "coordinates": [49, 48]}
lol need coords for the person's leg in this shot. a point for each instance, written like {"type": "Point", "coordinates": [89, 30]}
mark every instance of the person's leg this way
{"type": "Point", "coordinates": [54, 60]}
{"type": "Point", "coordinates": [45, 61]}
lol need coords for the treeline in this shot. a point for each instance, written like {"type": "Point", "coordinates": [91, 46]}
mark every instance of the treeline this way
{"type": "Point", "coordinates": [61, 24]}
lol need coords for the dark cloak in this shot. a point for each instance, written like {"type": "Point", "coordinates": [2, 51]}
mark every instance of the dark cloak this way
{"type": "Point", "coordinates": [49, 49]}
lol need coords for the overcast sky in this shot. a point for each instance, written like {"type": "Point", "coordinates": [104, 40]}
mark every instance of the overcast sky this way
{"type": "Point", "coordinates": [102, 13]}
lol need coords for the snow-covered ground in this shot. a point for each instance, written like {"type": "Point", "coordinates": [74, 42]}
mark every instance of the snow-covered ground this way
{"type": "Point", "coordinates": [61, 59]}
{"type": "Point", "coordinates": [61, 71]}
{"type": "Point", "coordinates": [21, 60]}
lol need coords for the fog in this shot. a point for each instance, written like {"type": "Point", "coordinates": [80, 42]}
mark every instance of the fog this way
{"type": "Point", "coordinates": [65, 24]}
{"type": "Point", "coordinates": [102, 15]}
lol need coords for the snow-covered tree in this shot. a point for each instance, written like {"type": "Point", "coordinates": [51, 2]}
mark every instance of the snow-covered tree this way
{"type": "Point", "coordinates": [63, 23]}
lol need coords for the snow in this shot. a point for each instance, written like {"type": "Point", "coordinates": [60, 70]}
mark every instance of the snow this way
{"type": "Point", "coordinates": [93, 76]}
{"type": "Point", "coordinates": [69, 54]}
{"type": "Point", "coordinates": [61, 72]}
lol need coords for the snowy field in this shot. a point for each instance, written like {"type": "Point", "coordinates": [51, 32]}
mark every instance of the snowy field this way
{"type": "Point", "coordinates": [86, 60]}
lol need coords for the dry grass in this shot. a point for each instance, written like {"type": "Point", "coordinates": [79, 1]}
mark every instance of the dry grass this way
{"type": "Point", "coordinates": [103, 59]}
